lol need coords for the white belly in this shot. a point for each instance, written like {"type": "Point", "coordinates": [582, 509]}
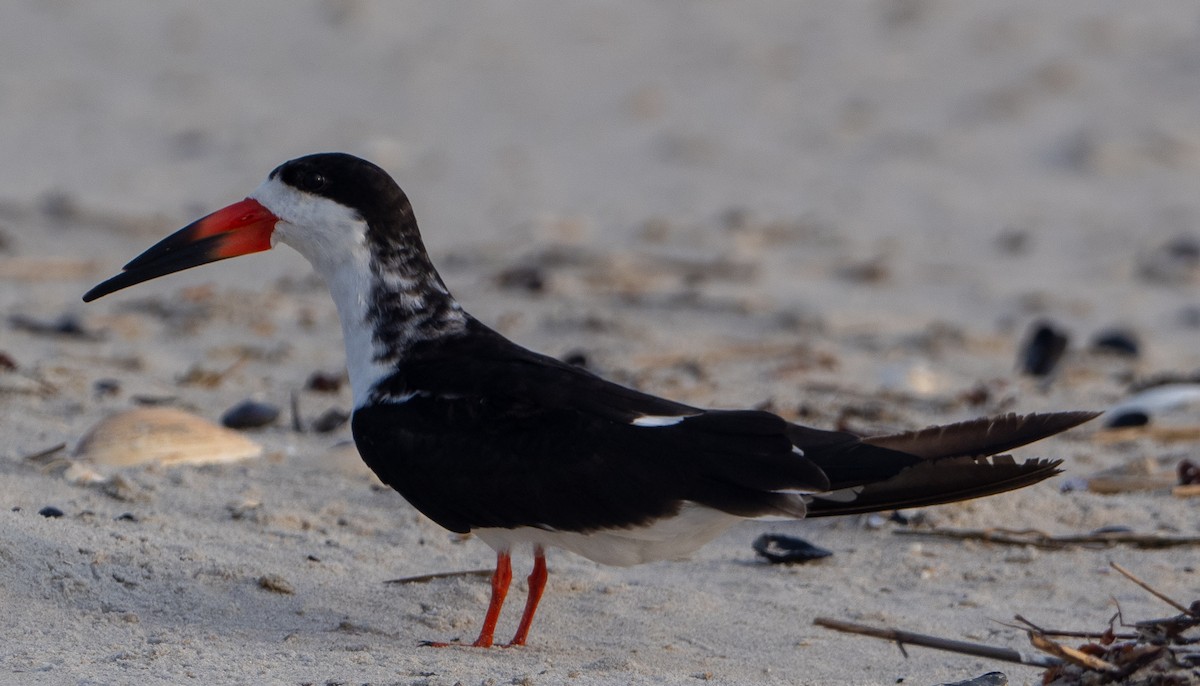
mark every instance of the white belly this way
{"type": "Point", "coordinates": [665, 539]}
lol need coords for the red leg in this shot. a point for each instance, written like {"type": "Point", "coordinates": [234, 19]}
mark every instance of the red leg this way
{"type": "Point", "coordinates": [537, 583]}
{"type": "Point", "coordinates": [500, 580]}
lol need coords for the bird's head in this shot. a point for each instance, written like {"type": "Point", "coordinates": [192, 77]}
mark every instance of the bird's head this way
{"type": "Point", "coordinates": [333, 208]}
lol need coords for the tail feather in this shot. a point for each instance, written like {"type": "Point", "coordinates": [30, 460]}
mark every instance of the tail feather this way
{"type": "Point", "coordinates": [936, 482]}
{"type": "Point", "coordinates": [980, 437]}
{"type": "Point", "coordinates": [940, 464]}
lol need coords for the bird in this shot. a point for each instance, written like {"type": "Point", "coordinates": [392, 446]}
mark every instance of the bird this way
{"type": "Point", "coordinates": [484, 436]}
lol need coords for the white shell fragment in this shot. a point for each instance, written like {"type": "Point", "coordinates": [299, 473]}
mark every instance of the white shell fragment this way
{"type": "Point", "coordinates": [165, 436]}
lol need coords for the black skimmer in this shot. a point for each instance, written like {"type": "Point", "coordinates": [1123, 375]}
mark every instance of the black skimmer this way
{"type": "Point", "coordinates": [484, 436]}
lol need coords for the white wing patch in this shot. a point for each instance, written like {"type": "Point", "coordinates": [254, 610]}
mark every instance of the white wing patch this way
{"type": "Point", "coordinates": [656, 421]}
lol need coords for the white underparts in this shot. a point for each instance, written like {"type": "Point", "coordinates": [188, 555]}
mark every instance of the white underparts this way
{"type": "Point", "coordinates": [665, 539]}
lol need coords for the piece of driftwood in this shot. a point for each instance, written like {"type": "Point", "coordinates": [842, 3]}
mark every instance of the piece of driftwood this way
{"type": "Point", "coordinates": [1041, 539]}
{"type": "Point", "coordinates": [903, 638]}
{"type": "Point", "coordinates": [1158, 651]}
{"type": "Point", "coordinates": [1068, 654]}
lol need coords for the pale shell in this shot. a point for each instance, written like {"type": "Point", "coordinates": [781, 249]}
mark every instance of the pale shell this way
{"type": "Point", "coordinates": [165, 436]}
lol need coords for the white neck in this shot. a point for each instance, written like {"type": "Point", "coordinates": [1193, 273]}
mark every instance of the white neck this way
{"type": "Point", "coordinates": [387, 299]}
{"type": "Point", "coordinates": [333, 239]}
{"type": "Point", "coordinates": [351, 288]}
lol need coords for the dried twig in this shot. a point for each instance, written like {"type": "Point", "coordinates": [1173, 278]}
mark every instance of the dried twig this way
{"type": "Point", "coordinates": [42, 455]}
{"type": "Point", "coordinates": [1041, 539]}
{"type": "Point", "coordinates": [297, 423]}
{"type": "Point", "coordinates": [1068, 634]}
{"type": "Point", "coordinates": [424, 578]}
{"type": "Point", "coordinates": [1129, 575]}
{"type": "Point", "coordinates": [902, 637]}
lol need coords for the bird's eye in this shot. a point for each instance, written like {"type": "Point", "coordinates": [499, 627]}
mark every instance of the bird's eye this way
{"type": "Point", "coordinates": [312, 181]}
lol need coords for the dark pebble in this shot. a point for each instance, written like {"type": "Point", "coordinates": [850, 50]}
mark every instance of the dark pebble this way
{"type": "Point", "coordinates": [250, 414]}
{"type": "Point", "coordinates": [1013, 241]}
{"type": "Point", "coordinates": [1189, 473]}
{"type": "Point", "coordinates": [781, 549]}
{"type": "Point", "coordinates": [126, 517]}
{"type": "Point", "coordinates": [1176, 261]}
{"type": "Point", "coordinates": [325, 382]}
{"type": "Point", "coordinates": [153, 400]}
{"type": "Point", "coordinates": [50, 511]}
{"type": "Point", "coordinates": [7, 363]}
{"type": "Point", "coordinates": [1117, 342]}
{"type": "Point", "coordinates": [58, 205]}
{"type": "Point", "coordinates": [105, 388]}
{"type": "Point", "coordinates": [576, 358]}
{"type": "Point", "coordinates": [1189, 316]}
{"type": "Point", "coordinates": [1043, 349]}
{"type": "Point", "coordinates": [332, 419]}
{"type": "Point", "coordinates": [1127, 418]}
{"type": "Point", "coordinates": [522, 278]}
{"type": "Point", "coordinates": [67, 326]}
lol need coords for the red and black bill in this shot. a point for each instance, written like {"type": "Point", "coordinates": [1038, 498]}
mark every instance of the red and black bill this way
{"type": "Point", "coordinates": [242, 228]}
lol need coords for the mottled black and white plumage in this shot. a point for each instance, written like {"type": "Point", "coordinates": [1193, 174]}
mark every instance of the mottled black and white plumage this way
{"type": "Point", "coordinates": [484, 436]}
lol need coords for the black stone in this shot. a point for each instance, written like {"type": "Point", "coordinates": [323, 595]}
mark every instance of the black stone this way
{"type": "Point", "coordinates": [1043, 349]}
{"type": "Point", "coordinates": [1117, 342]}
{"type": "Point", "coordinates": [250, 414]}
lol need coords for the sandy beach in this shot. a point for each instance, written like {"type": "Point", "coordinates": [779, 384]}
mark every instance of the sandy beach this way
{"type": "Point", "coordinates": [851, 214]}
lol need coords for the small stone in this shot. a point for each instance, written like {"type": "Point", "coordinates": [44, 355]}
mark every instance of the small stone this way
{"type": "Point", "coordinates": [106, 388]}
{"type": "Point", "coordinates": [1175, 262]}
{"type": "Point", "coordinates": [66, 325]}
{"type": "Point", "coordinates": [1127, 418]}
{"type": "Point", "coordinates": [576, 358]}
{"type": "Point", "coordinates": [1189, 472]}
{"type": "Point", "coordinates": [275, 584]}
{"type": "Point", "coordinates": [1043, 349]}
{"type": "Point", "coordinates": [1013, 241]}
{"type": "Point", "coordinates": [58, 205]}
{"type": "Point", "coordinates": [332, 419]}
{"type": "Point", "coordinates": [522, 278]}
{"type": "Point", "coordinates": [325, 382]}
{"type": "Point", "coordinates": [250, 414]}
{"type": "Point", "coordinates": [50, 511]}
{"type": "Point", "coordinates": [1116, 341]}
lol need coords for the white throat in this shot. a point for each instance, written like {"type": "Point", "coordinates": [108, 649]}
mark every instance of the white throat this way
{"type": "Point", "coordinates": [332, 238]}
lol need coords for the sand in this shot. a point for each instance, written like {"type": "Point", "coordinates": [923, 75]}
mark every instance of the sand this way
{"type": "Point", "coordinates": [847, 212]}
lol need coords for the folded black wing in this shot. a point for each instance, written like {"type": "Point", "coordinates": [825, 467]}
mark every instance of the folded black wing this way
{"type": "Point", "coordinates": [478, 432]}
